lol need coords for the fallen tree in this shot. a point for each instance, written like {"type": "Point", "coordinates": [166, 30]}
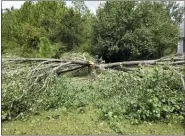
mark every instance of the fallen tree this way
{"type": "Point", "coordinates": [34, 77]}
{"type": "Point", "coordinates": [41, 68]}
{"type": "Point", "coordinates": [60, 66]}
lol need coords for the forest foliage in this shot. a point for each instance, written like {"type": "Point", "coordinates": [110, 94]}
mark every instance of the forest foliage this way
{"type": "Point", "coordinates": [61, 25]}
{"type": "Point", "coordinates": [118, 31]}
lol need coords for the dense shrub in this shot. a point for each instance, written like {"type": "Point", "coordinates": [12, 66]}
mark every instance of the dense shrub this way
{"type": "Point", "coordinates": [160, 95]}
{"type": "Point", "coordinates": [146, 95]}
{"type": "Point", "coordinates": [46, 49]}
{"type": "Point", "coordinates": [141, 96]}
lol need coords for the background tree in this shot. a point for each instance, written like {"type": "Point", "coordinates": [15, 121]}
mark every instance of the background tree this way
{"type": "Point", "coordinates": [119, 31]}
{"type": "Point", "coordinates": [87, 17]}
{"type": "Point", "coordinates": [175, 11]}
{"type": "Point", "coordinates": [80, 6]}
{"type": "Point", "coordinates": [133, 30]}
{"type": "Point", "coordinates": [60, 24]}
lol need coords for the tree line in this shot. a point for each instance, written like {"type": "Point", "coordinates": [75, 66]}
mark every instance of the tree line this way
{"type": "Point", "coordinates": [119, 31]}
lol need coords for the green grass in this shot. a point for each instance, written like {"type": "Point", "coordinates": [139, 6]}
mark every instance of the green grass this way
{"type": "Point", "coordinates": [72, 122]}
{"type": "Point", "coordinates": [125, 127]}
{"type": "Point", "coordinates": [78, 122]}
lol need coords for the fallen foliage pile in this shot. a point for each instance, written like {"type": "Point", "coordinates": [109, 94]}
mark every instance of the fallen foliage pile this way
{"type": "Point", "coordinates": [33, 84]}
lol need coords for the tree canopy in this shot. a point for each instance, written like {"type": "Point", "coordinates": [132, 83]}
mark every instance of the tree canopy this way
{"type": "Point", "coordinates": [23, 28]}
{"type": "Point", "coordinates": [134, 30]}
{"type": "Point", "coordinates": [126, 30]}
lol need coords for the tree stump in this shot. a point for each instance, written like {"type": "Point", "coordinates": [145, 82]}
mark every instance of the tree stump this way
{"type": "Point", "coordinates": [92, 71]}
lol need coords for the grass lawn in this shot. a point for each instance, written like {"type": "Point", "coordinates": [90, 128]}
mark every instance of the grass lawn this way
{"type": "Point", "coordinates": [61, 121]}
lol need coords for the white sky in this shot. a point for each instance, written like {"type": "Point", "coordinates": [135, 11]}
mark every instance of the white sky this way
{"type": "Point", "coordinates": [92, 5]}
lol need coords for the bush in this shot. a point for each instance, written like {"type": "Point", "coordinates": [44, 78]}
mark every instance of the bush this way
{"type": "Point", "coordinates": [46, 49]}
{"type": "Point", "coordinates": [153, 95]}
{"type": "Point", "coordinates": [160, 95]}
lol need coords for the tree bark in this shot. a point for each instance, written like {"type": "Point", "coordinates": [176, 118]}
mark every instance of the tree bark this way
{"type": "Point", "coordinates": [58, 64]}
